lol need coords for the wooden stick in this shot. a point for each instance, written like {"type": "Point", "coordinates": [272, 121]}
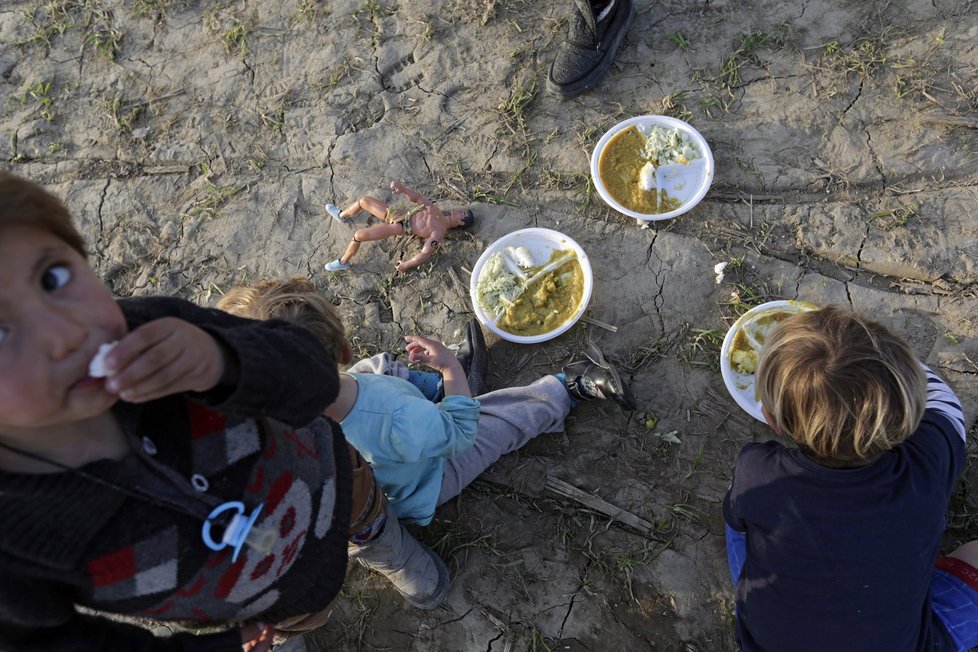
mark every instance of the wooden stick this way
{"type": "Point", "coordinates": [590, 501]}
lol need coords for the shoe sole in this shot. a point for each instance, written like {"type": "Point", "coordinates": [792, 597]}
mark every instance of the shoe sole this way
{"type": "Point", "coordinates": [592, 78]}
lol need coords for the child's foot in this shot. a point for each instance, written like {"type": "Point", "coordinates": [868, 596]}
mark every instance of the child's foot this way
{"type": "Point", "coordinates": [335, 211]}
{"type": "Point", "coordinates": [337, 266]}
{"type": "Point", "coordinates": [596, 378]}
{"type": "Point", "coordinates": [412, 567]}
{"type": "Point", "coordinates": [474, 358]}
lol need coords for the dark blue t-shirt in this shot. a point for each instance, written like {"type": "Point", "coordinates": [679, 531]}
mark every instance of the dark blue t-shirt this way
{"type": "Point", "coordinates": [842, 559]}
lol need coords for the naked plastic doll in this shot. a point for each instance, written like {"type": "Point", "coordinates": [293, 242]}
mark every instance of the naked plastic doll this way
{"type": "Point", "coordinates": [425, 221]}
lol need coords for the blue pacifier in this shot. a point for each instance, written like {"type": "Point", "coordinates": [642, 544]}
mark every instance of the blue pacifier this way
{"type": "Point", "coordinates": [239, 531]}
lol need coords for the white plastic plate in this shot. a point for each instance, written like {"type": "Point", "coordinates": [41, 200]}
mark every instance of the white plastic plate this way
{"type": "Point", "coordinates": [687, 183]}
{"type": "Point", "coordinates": [541, 244]}
{"type": "Point", "coordinates": [741, 386]}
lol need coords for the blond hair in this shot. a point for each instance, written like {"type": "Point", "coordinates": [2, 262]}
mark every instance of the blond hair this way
{"type": "Point", "coordinates": [295, 300]}
{"type": "Point", "coordinates": [842, 387]}
{"type": "Point", "coordinates": [25, 203]}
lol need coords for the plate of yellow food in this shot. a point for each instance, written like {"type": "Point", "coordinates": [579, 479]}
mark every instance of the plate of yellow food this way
{"type": "Point", "coordinates": [531, 285]}
{"type": "Point", "coordinates": [742, 345]}
{"type": "Point", "coordinates": [652, 167]}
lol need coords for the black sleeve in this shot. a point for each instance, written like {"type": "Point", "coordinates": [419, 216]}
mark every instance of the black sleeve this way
{"type": "Point", "coordinates": [36, 616]}
{"type": "Point", "coordinates": [283, 370]}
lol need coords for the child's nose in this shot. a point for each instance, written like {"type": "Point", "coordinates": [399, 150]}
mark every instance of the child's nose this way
{"type": "Point", "coordinates": [61, 331]}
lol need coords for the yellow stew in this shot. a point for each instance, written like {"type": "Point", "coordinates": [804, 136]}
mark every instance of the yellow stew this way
{"type": "Point", "coordinates": [548, 302]}
{"type": "Point", "coordinates": [620, 166]}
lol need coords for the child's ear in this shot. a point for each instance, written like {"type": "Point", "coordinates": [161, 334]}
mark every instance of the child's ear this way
{"type": "Point", "coordinates": [346, 353]}
{"type": "Point", "coordinates": [772, 424]}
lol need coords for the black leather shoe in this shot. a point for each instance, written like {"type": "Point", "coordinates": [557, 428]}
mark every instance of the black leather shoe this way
{"type": "Point", "coordinates": [584, 58]}
{"type": "Point", "coordinates": [474, 358]}
{"type": "Point", "coordinates": [596, 378]}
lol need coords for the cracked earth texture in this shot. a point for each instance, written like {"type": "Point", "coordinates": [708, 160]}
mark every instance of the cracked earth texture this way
{"type": "Point", "coordinates": [198, 142]}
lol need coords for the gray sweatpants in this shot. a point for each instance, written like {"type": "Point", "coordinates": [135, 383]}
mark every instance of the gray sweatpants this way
{"type": "Point", "coordinates": [508, 419]}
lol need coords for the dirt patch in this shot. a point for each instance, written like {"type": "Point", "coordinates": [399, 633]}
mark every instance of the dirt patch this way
{"type": "Point", "coordinates": [198, 143]}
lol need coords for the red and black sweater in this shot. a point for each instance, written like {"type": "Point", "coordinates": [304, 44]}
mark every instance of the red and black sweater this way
{"type": "Point", "coordinates": [66, 540]}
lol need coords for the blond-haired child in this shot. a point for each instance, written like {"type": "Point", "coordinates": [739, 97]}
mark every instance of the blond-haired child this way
{"type": "Point", "coordinates": [832, 542]}
{"type": "Point", "coordinates": [196, 482]}
{"type": "Point", "coordinates": [424, 452]}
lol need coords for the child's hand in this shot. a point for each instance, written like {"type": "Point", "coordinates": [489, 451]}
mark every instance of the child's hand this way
{"type": "Point", "coordinates": [163, 357]}
{"type": "Point", "coordinates": [257, 638]}
{"type": "Point", "coordinates": [397, 187]}
{"type": "Point", "coordinates": [438, 357]}
{"type": "Point", "coordinates": [430, 352]}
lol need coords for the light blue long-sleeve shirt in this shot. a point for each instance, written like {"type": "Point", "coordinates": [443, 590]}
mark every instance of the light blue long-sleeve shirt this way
{"type": "Point", "coordinates": [406, 439]}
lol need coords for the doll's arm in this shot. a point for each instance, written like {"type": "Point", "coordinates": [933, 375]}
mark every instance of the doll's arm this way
{"type": "Point", "coordinates": [420, 258]}
{"type": "Point", "coordinates": [412, 195]}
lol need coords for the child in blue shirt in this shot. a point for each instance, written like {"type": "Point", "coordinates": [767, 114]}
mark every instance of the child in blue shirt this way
{"type": "Point", "coordinates": [832, 542]}
{"type": "Point", "coordinates": [423, 452]}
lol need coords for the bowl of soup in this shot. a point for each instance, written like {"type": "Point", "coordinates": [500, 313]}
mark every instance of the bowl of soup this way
{"type": "Point", "coordinates": [652, 167]}
{"type": "Point", "coordinates": [531, 285]}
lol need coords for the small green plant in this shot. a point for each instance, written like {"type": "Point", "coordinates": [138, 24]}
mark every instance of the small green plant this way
{"type": "Point", "coordinates": [209, 206]}
{"type": "Point", "coordinates": [40, 93]}
{"type": "Point", "coordinates": [861, 60]}
{"type": "Point", "coordinates": [107, 41]}
{"type": "Point", "coordinates": [671, 106]}
{"type": "Point", "coordinates": [586, 192]}
{"type": "Point", "coordinates": [744, 53]}
{"type": "Point", "coordinates": [274, 120]}
{"type": "Point", "coordinates": [679, 39]}
{"type": "Point", "coordinates": [142, 8]}
{"type": "Point", "coordinates": [514, 107]}
{"type": "Point", "coordinates": [895, 218]}
{"type": "Point", "coordinates": [123, 114]}
{"type": "Point", "coordinates": [236, 40]}
{"type": "Point", "coordinates": [308, 10]}
{"type": "Point", "coordinates": [537, 643]}
{"type": "Point", "coordinates": [703, 348]}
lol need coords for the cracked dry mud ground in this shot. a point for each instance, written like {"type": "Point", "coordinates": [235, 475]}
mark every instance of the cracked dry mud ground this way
{"type": "Point", "coordinates": [198, 142]}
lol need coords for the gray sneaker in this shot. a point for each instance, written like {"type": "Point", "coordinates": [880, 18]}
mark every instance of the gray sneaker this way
{"type": "Point", "coordinates": [584, 58]}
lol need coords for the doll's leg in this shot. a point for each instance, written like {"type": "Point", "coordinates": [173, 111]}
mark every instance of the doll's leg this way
{"type": "Point", "coordinates": [373, 206]}
{"type": "Point", "coordinates": [369, 234]}
{"type": "Point", "coordinates": [508, 419]}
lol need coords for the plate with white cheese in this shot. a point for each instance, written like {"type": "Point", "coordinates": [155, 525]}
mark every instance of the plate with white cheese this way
{"type": "Point", "coordinates": [652, 167]}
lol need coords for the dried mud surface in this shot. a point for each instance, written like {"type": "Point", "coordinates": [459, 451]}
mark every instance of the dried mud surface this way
{"type": "Point", "coordinates": [199, 141]}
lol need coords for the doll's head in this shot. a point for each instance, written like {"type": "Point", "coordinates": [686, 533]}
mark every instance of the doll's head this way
{"type": "Point", "coordinates": [461, 218]}
{"type": "Point", "coordinates": [843, 388]}
{"type": "Point", "coordinates": [295, 300]}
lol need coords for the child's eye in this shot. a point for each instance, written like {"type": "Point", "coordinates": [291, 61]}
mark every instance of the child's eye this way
{"type": "Point", "coordinates": [55, 276]}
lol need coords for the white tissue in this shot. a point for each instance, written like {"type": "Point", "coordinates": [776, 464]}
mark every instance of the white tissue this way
{"type": "Point", "coordinates": [96, 368]}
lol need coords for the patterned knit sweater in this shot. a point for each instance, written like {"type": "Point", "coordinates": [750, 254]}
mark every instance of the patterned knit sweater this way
{"type": "Point", "coordinates": [66, 540]}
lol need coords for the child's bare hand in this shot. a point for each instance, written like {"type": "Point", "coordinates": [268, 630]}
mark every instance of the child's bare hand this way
{"type": "Point", "coordinates": [397, 186]}
{"type": "Point", "coordinates": [437, 356]}
{"type": "Point", "coordinates": [429, 352]}
{"type": "Point", "coordinates": [257, 638]}
{"type": "Point", "coordinates": [163, 357]}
